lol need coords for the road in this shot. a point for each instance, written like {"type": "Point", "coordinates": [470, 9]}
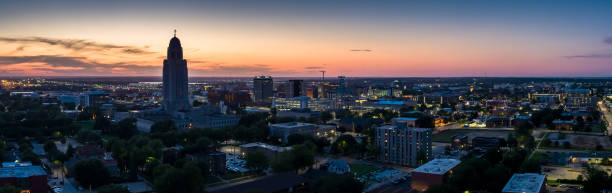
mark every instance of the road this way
{"type": "Point", "coordinates": [607, 115]}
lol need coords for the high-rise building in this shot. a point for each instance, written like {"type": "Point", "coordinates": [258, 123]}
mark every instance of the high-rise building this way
{"type": "Point", "coordinates": [341, 85]}
{"type": "Point", "coordinates": [263, 89]}
{"type": "Point", "coordinates": [400, 144]}
{"type": "Point", "coordinates": [312, 91]}
{"type": "Point", "coordinates": [296, 88]}
{"type": "Point", "coordinates": [175, 91]}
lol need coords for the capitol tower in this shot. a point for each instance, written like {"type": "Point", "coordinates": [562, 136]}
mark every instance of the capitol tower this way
{"type": "Point", "coordinates": [175, 91]}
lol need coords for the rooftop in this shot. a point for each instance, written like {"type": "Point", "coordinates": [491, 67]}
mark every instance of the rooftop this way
{"type": "Point", "coordinates": [291, 124]}
{"type": "Point", "coordinates": [437, 166]}
{"type": "Point", "coordinates": [21, 172]}
{"type": "Point", "coordinates": [265, 146]}
{"type": "Point", "coordinates": [525, 183]}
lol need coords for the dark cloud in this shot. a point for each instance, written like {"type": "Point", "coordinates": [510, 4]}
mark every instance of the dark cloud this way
{"type": "Point", "coordinates": [54, 61]}
{"type": "Point", "coordinates": [314, 68]}
{"type": "Point", "coordinates": [77, 44]}
{"type": "Point", "coordinates": [360, 50]}
{"type": "Point", "coordinates": [590, 56]}
{"type": "Point", "coordinates": [608, 40]}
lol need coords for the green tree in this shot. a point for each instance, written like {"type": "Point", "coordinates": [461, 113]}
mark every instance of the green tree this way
{"type": "Point", "coordinates": [596, 180]}
{"type": "Point", "coordinates": [8, 189]}
{"type": "Point", "coordinates": [163, 126]}
{"type": "Point", "coordinates": [83, 170]}
{"type": "Point", "coordinates": [113, 188]}
{"type": "Point", "coordinates": [336, 184]}
{"type": "Point", "coordinates": [256, 160]}
{"type": "Point", "coordinates": [299, 157]}
{"type": "Point", "coordinates": [182, 180]}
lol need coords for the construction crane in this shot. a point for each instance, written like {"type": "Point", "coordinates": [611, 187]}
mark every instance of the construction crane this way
{"type": "Point", "coordinates": [322, 77]}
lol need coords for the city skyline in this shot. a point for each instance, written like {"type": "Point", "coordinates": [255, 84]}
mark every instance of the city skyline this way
{"type": "Point", "coordinates": [282, 39]}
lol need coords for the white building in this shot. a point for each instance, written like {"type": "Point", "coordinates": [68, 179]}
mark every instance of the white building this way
{"type": "Point", "coordinates": [526, 183]}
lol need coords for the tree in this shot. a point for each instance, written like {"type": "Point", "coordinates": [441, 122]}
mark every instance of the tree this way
{"type": "Point", "coordinates": [326, 116]}
{"type": "Point", "coordinates": [125, 129]}
{"type": "Point", "coordinates": [496, 178]}
{"type": "Point", "coordinates": [345, 145]}
{"type": "Point", "coordinates": [256, 160]}
{"type": "Point", "coordinates": [163, 126]}
{"type": "Point", "coordinates": [102, 123]}
{"type": "Point", "coordinates": [494, 155]}
{"type": "Point", "coordinates": [596, 180]}
{"type": "Point", "coordinates": [8, 189]}
{"type": "Point", "coordinates": [184, 180]}
{"type": "Point", "coordinates": [113, 188]}
{"type": "Point", "coordinates": [532, 165]}
{"type": "Point", "coordinates": [299, 157]}
{"type": "Point", "coordinates": [295, 139]}
{"type": "Point", "coordinates": [425, 121]}
{"type": "Point", "coordinates": [442, 188]}
{"type": "Point", "coordinates": [83, 170]}
{"type": "Point", "coordinates": [336, 184]}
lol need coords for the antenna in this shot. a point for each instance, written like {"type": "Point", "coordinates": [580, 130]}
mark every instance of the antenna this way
{"type": "Point", "coordinates": [174, 32]}
{"type": "Point", "coordinates": [322, 77]}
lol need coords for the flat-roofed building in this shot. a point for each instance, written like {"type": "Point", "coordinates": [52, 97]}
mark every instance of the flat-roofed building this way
{"type": "Point", "coordinates": [432, 173]}
{"type": "Point", "coordinates": [31, 179]}
{"type": "Point", "coordinates": [282, 130]}
{"type": "Point", "coordinates": [269, 151]}
{"type": "Point", "coordinates": [526, 183]}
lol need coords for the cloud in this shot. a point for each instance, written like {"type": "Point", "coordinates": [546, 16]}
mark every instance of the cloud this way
{"type": "Point", "coordinates": [77, 44]}
{"type": "Point", "coordinates": [608, 40]}
{"type": "Point", "coordinates": [360, 50]}
{"type": "Point", "coordinates": [590, 56]}
{"type": "Point", "coordinates": [314, 68]}
{"type": "Point", "coordinates": [68, 64]}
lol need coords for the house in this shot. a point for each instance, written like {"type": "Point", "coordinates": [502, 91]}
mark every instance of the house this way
{"type": "Point", "coordinates": [338, 166]}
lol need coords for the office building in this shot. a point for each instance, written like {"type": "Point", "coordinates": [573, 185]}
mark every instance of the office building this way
{"type": "Point", "coordinates": [296, 88]}
{"type": "Point", "coordinates": [314, 104]}
{"type": "Point", "coordinates": [341, 85]}
{"type": "Point", "coordinates": [432, 173]}
{"type": "Point", "coordinates": [94, 98]}
{"type": "Point", "coordinates": [263, 89]}
{"type": "Point", "coordinates": [401, 145]}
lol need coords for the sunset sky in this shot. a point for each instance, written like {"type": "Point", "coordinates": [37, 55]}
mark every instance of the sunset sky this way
{"type": "Point", "coordinates": [300, 38]}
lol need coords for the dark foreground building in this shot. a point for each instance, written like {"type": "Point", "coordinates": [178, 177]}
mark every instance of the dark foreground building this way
{"type": "Point", "coordinates": [277, 183]}
{"type": "Point", "coordinates": [32, 179]}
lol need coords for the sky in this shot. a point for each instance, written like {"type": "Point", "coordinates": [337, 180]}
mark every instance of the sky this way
{"type": "Point", "coordinates": [518, 38]}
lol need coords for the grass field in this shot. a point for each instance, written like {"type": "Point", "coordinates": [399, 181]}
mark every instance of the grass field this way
{"type": "Point", "coordinates": [445, 136]}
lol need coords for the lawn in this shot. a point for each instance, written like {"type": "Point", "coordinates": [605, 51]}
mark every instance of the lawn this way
{"type": "Point", "coordinates": [445, 136]}
{"type": "Point", "coordinates": [361, 169]}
